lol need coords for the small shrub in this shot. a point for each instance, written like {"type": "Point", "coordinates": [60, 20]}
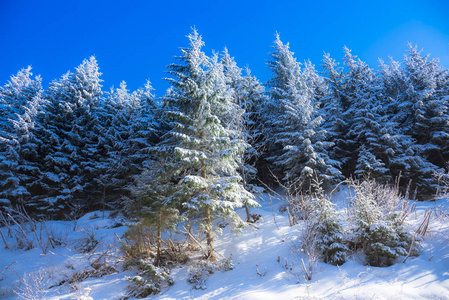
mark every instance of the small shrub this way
{"type": "Point", "coordinates": [225, 264]}
{"type": "Point", "coordinates": [96, 270]}
{"type": "Point", "coordinates": [89, 242]}
{"type": "Point", "coordinates": [29, 233]}
{"type": "Point", "coordinates": [379, 224]}
{"type": "Point", "coordinates": [200, 272]}
{"type": "Point", "coordinates": [83, 293]}
{"type": "Point", "coordinates": [329, 241]}
{"type": "Point", "coordinates": [139, 242]}
{"type": "Point", "coordinates": [33, 285]}
{"type": "Point", "coordinates": [149, 281]}
{"type": "Point", "coordinates": [322, 237]}
{"type": "Point", "coordinates": [182, 258]}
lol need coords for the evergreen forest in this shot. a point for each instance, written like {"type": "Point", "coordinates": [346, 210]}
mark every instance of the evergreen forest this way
{"type": "Point", "coordinates": [218, 135]}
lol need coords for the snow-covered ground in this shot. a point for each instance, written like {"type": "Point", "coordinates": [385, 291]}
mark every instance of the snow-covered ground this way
{"type": "Point", "coordinates": [266, 258]}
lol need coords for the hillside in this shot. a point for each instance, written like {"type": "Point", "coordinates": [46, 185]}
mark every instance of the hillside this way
{"type": "Point", "coordinates": [266, 259]}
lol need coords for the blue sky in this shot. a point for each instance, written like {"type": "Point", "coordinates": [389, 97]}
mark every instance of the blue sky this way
{"type": "Point", "coordinates": [136, 40]}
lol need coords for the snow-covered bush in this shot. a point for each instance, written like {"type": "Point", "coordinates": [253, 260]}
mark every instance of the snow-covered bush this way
{"type": "Point", "coordinates": [378, 214]}
{"type": "Point", "coordinates": [33, 285]}
{"type": "Point", "coordinates": [87, 243]}
{"type": "Point", "coordinates": [329, 236]}
{"type": "Point", "coordinates": [152, 257]}
{"type": "Point", "coordinates": [324, 230]}
{"type": "Point", "coordinates": [199, 272]}
{"type": "Point", "coordinates": [83, 294]}
{"type": "Point", "coordinates": [322, 236]}
{"type": "Point", "coordinates": [149, 281]}
{"type": "Point", "coordinates": [26, 233]}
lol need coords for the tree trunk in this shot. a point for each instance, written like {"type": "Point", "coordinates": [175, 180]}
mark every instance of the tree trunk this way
{"type": "Point", "coordinates": [159, 240]}
{"type": "Point", "coordinates": [209, 235]}
{"type": "Point", "coordinates": [207, 217]}
{"type": "Point", "coordinates": [248, 215]}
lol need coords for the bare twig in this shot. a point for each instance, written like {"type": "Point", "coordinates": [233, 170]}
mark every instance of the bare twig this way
{"type": "Point", "coordinates": [308, 275]}
{"type": "Point", "coordinates": [337, 186]}
{"type": "Point", "coordinates": [118, 238]}
{"type": "Point", "coordinates": [193, 239]}
{"type": "Point", "coordinates": [411, 248]}
{"type": "Point", "coordinates": [4, 241]}
{"type": "Point", "coordinates": [422, 230]}
{"type": "Point", "coordinates": [103, 254]}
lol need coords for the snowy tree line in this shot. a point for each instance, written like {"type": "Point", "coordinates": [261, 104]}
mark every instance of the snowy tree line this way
{"type": "Point", "coordinates": [72, 145]}
{"type": "Point", "coordinates": [202, 146]}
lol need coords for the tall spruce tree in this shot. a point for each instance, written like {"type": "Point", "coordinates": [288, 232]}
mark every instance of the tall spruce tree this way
{"type": "Point", "coordinates": [248, 95]}
{"type": "Point", "coordinates": [425, 99]}
{"type": "Point", "coordinates": [130, 133]}
{"type": "Point", "coordinates": [72, 134]}
{"type": "Point", "coordinates": [252, 98]}
{"type": "Point", "coordinates": [400, 107]}
{"type": "Point", "coordinates": [20, 103]}
{"type": "Point", "coordinates": [364, 118]}
{"type": "Point", "coordinates": [293, 123]}
{"type": "Point", "coordinates": [206, 149]}
{"type": "Point", "coordinates": [334, 106]}
{"type": "Point", "coordinates": [372, 134]}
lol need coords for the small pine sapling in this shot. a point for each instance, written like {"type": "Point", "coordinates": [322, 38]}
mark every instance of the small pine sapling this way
{"type": "Point", "coordinates": [379, 224]}
{"type": "Point", "coordinates": [150, 280]}
{"type": "Point", "coordinates": [149, 203]}
{"type": "Point", "coordinates": [327, 229]}
{"type": "Point", "coordinates": [329, 233]}
{"type": "Point", "coordinates": [155, 215]}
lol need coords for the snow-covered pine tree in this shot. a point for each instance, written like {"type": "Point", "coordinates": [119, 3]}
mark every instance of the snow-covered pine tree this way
{"type": "Point", "coordinates": [20, 103]}
{"type": "Point", "coordinates": [130, 133]}
{"type": "Point", "coordinates": [205, 149]}
{"type": "Point", "coordinates": [354, 118]}
{"type": "Point", "coordinates": [149, 201]}
{"type": "Point", "coordinates": [329, 168]}
{"type": "Point", "coordinates": [28, 144]}
{"type": "Point", "coordinates": [409, 158]}
{"type": "Point", "coordinates": [426, 100]}
{"type": "Point", "coordinates": [71, 130]}
{"type": "Point", "coordinates": [372, 134]}
{"type": "Point", "coordinates": [362, 121]}
{"type": "Point", "coordinates": [327, 230]}
{"type": "Point", "coordinates": [14, 97]}
{"type": "Point", "coordinates": [285, 69]}
{"type": "Point", "coordinates": [252, 98]}
{"type": "Point", "coordinates": [249, 96]}
{"type": "Point", "coordinates": [295, 137]}
{"type": "Point", "coordinates": [334, 106]}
